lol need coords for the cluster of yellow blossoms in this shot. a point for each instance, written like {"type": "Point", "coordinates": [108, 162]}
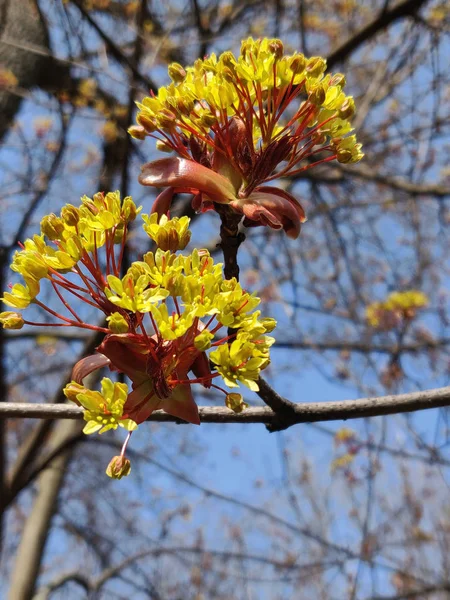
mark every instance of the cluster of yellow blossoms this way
{"type": "Point", "coordinates": [255, 87]}
{"type": "Point", "coordinates": [75, 233]}
{"type": "Point", "coordinates": [398, 307]}
{"type": "Point", "coordinates": [160, 317]}
{"type": "Point", "coordinates": [235, 124]}
{"type": "Point", "coordinates": [231, 122]}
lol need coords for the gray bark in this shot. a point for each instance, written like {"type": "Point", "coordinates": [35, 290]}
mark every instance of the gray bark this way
{"type": "Point", "coordinates": [37, 527]}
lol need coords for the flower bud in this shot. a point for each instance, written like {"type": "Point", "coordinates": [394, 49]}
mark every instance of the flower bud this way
{"type": "Point", "coordinates": [198, 66]}
{"type": "Point", "coordinates": [118, 467]}
{"type": "Point", "coordinates": [316, 66]}
{"type": "Point", "coordinates": [228, 74]}
{"type": "Point", "coordinates": [347, 109]}
{"type": "Point", "coordinates": [166, 118]}
{"type": "Point", "coordinates": [137, 132]}
{"type": "Point", "coordinates": [52, 226]}
{"type": "Point", "coordinates": [163, 147]}
{"type": "Point", "coordinates": [136, 270]}
{"type": "Point", "coordinates": [268, 323]}
{"type": "Point", "coordinates": [118, 233]}
{"type": "Point", "coordinates": [247, 46]}
{"type": "Point", "coordinates": [72, 390]}
{"type": "Point", "coordinates": [176, 72]}
{"type": "Point", "coordinates": [236, 403]}
{"type": "Point", "coordinates": [148, 123]}
{"type": "Point", "coordinates": [70, 215]}
{"type": "Point", "coordinates": [129, 210]}
{"type": "Point", "coordinates": [203, 341]}
{"type": "Point", "coordinates": [207, 120]}
{"type": "Point", "coordinates": [99, 198]}
{"type": "Point", "coordinates": [338, 79]}
{"type": "Point", "coordinates": [277, 48]}
{"type": "Point", "coordinates": [228, 60]}
{"type": "Point", "coordinates": [297, 63]}
{"type": "Point", "coordinates": [168, 234]}
{"type": "Point", "coordinates": [74, 248]}
{"type": "Point", "coordinates": [344, 156]}
{"type": "Point", "coordinates": [184, 105]}
{"type": "Point", "coordinates": [319, 138]}
{"type": "Point", "coordinates": [11, 320]}
{"type": "Point", "coordinates": [117, 323]}
{"type": "Point", "coordinates": [317, 95]}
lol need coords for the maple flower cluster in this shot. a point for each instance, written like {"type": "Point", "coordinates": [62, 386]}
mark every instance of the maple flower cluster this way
{"type": "Point", "coordinates": [232, 121]}
{"type": "Point", "coordinates": [398, 308]}
{"type": "Point", "coordinates": [234, 125]}
{"type": "Point", "coordinates": [160, 318]}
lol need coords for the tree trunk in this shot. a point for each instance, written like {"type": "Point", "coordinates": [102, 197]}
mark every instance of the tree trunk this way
{"type": "Point", "coordinates": [37, 527]}
{"type": "Point", "coordinates": [24, 43]}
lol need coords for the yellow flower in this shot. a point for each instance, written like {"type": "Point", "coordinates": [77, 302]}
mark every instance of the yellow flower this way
{"type": "Point", "coordinates": [11, 320]}
{"type": "Point", "coordinates": [199, 263]}
{"type": "Point", "coordinates": [234, 304]}
{"type": "Point", "coordinates": [118, 467]}
{"type": "Point", "coordinates": [236, 403]}
{"type": "Point", "coordinates": [20, 296]}
{"type": "Point", "coordinates": [103, 410]}
{"type": "Point", "coordinates": [133, 292]}
{"type": "Point", "coordinates": [238, 361]}
{"type": "Point", "coordinates": [373, 313]}
{"type": "Point", "coordinates": [409, 299]}
{"type": "Point", "coordinates": [203, 340]}
{"type": "Point", "coordinates": [397, 306]}
{"type": "Point", "coordinates": [174, 325]}
{"type": "Point", "coordinates": [344, 435]}
{"type": "Point", "coordinates": [101, 212]}
{"type": "Point", "coordinates": [347, 150]}
{"type": "Point", "coordinates": [87, 88]}
{"type": "Point", "coordinates": [342, 462]}
{"type": "Point", "coordinates": [202, 293]}
{"type": "Point", "coordinates": [117, 323]}
{"type": "Point", "coordinates": [159, 352]}
{"type": "Point", "coordinates": [163, 269]}
{"type": "Point", "coordinates": [205, 97]}
{"type": "Point", "coordinates": [110, 131]}
{"type": "Point", "coordinates": [168, 234]}
{"type": "Point", "coordinates": [52, 227]}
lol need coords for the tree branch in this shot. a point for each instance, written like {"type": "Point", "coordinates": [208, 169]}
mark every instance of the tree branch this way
{"type": "Point", "coordinates": [414, 594]}
{"type": "Point", "coordinates": [339, 175]}
{"type": "Point", "coordinates": [114, 50]}
{"type": "Point", "coordinates": [37, 526]}
{"type": "Point", "coordinates": [407, 8]}
{"type": "Point", "coordinates": [361, 347]}
{"type": "Point", "coordinates": [368, 173]}
{"type": "Point", "coordinates": [291, 413]}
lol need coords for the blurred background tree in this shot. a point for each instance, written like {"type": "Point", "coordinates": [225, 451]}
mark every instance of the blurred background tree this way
{"type": "Point", "coordinates": [229, 511]}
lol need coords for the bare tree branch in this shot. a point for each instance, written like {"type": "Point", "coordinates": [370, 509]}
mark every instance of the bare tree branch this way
{"type": "Point", "coordinates": [114, 50]}
{"type": "Point", "coordinates": [418, 593]}
{"type": "Point", "coordinates": [397, 183]}
{"type": "Point", "coordinates": [362, 347]}
{"type": "Point", "coordinates": [407, 8]}
{"type": "Point", "coordinates": [293, 413]}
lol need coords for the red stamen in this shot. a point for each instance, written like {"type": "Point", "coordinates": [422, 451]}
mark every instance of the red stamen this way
{"type": "Point", "coordinates": [122, 250]}
{"type": "Point", "coordinates": [201, 380]}
{"type": "Point", "coordinates": [66, 304]}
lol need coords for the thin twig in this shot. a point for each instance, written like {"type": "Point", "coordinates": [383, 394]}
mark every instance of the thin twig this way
{"type": "Point", "coordinates": [305, 412]}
